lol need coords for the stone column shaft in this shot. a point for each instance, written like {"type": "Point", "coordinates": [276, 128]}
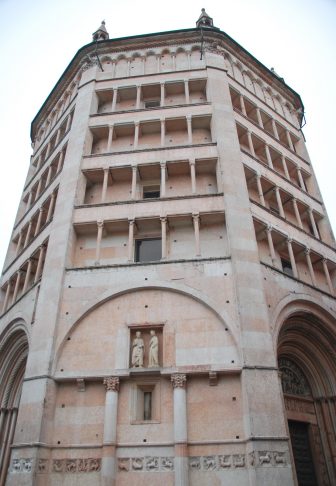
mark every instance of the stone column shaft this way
{"type": "Point", "coordinates": [27, 234]}
{"type": "Point", "coordinates": [310, 266]}
{"type": "Point", "coordinates": [189, 128]}
{"type": "Point", "coordinates": [51, 207]}
{"type": "Point", "coordinates": [260, 190]}
{"type": "Point", "coordinates": [100, 227]}
{"type": "Point", "coordinates": [260, 122]}
{"type": "Point", "coordinates": [138, 97]}
{"type": "Point", "coordinates": [180, 430]}
{"type": "Point", "coordinates": [108, 472]}
{"type": "Point", "coordinates": [275, 130]}
{"type": "Point", "coordinates": [163, 179]}
{"type": "Point", "coordinates": [39, 220]}
{"type": "Point", "coordinates": [268, 157]}
{"type": "Point", "coordinates": [104, 186]}
{"type": "Point", "coordinates": [297, 212]}
{"type": "Point", "coordinates": [16, 287]}
{"type": "Point", "coordinates": [301, 181]}
{"type": "Point", "coordinates": [162, 94]}
{"type": "Point", "coordinates": [163, 238]}
{"type": "Point", "coordinates": [68, 123]}
{"type": "Point", "coordinates": [27, 277]}
{"type": "Point", "coordinates": [270, 244]}
{"type": "Point", "coordinates": [197, 234]}
{"type": "Point", "coordinates": [5, 304]}
{"type": "Point", "coordinates": [136, 134]}
{"type": "Point", "coordinates": [114, 99]}
{"type": "Point", "coordinates": [289, 140]}
{"type": "Point", "coordinates": [284, 165]}
{"type": "Point", "coordinates": [250, 142]}
{"type": "Point", "coordinates": [193, 176]}
{"type": "Point", "coordinates": [292, 258]}
{"type": "Point", "coordinates": [312, 222]}
{"type": "Point", "coordinates": [242, 105]}
{"type": "Point", "coordinates": [327, 276]}
{"type": "Point", "coordinates": [48, 176]}
{"type": "Point", "coordinates": [110, 138]}
{"type": "Point", "coordinates": [18, 246]}
{"type": "Point", "coordinates": [29, 199]}
{"type": "Point", "coordinates": [163, 132]}
{"type": "Point", "coordinates": [279, 202]}
{"type": "Point", "coordinates": [60, 161]}
{"type": "Point", "coordinates": [134, 181]}
{"type": "Point", "coordinates": [186, 91]}
{"type": "Point", "coordinates": [131, 240]}
{"type": "Point", "coordinates": [38, 190]}
{"type": "Point", "coordinates": [40, 263]}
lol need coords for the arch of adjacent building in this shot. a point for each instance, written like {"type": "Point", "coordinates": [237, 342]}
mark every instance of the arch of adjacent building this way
{"type": "Point", "coordinates": [13, 358]}
{"type": "Point", "coordinates": [305, 339]}
{"type": "Point", "coordinates": [221, 315]}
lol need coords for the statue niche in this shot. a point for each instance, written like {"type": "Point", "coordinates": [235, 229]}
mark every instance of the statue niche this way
{"type": "Point", "coordinates": [145, 348]}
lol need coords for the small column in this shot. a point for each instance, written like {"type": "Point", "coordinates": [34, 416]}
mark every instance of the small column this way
{"type": "Point", "coordinates": [289, 140]}
{"type": "Point", "coordinates": [275, 130]}
{"type": "Point", "coordinates": [291, 256]}
{"type": "Point", "coordinates": [16, 287]}
{"type": "Point", "coordinates": [250, 142]}
{"type": "Point", "coordinates": [162, 94]}
{"type": "Point", "coordinates": [285, 168]}
{"type": "Point", "coordinates": [189, 60]}
{"type": "Point", "coordinates": [58, 136]}
{"type": "Point", "coordinates": [186, 91]}
{"type": "Point", "coordinates": [312, 222]}
{"type": "Point", "coordinates": [100, 227]}
{"type": "Point", "coordinates": [179, 382]}
{"type": "Point", "coordinates": [327, 276]}
{"type": "Point", "coordinates": [39, 162]}
{"type": "Point", "coordinates": [8, 288]}
{"type": "Point", "coordinates": [310, 266]}
{"type": "Point", "coordinates": [163, 132]}
{"type": "Point", "coordinates": [38, 190]}
{"type": "Point", "coordinates": [134, 181]}
{"type": "Point", "coordinates": [29, 199]}
{"type": "Point", "coordinates": [40, 263]}
{"type": "Point", "coordinates": [270, 243]}
{"type": "Point", "coordinates": [242, 105]}
{"type": "Point", "coordinates": [60, 162]}
{"type": "Point", "coordinates": [68, 123]}
{"type": "Point", "coordinates": [193, 175]}
{"type": "Point", "coordinates": [51, 207]}
{"type": "Point", "coordinates": [260, 122]}
{"type": "Point", "coordinates": [158, 59]}
{"type": "Point", "coordinates": [48, 176]}
{"type": "Point", "coordinates": [47, 151]}
{"type": "Point", "coordinates": [138, 97]}
{"type": "Point", "coordinates": [189, 128]}
{"type": "Point", "coordinates": [104, 187]}
{"type": "Point", "coordinates": [279, 202]}
{"type": "Point", "coordinates": [114, 99]}
{"type": "Point", "coordinates": [114, 65]}
{"type": "Point", "coordinates": [260, 190]}
{"type": "Point", "coordinates": [108, 471]}
{"type": "Point", "coordinates": [301, 181]}
{"type": "Point", "coordinates": [131, 240]}
{"type": "Point", "coordinates": [268, 156]}
{"type": "Point", "coordinates": [196, 222]}
{"type": "Point", "coordinates": [163, 237]}
{"type": "Point", "coordinates": [110, 138]}
{"type": "Point", "coordinates": [39, 220]}
{"type": "Point", "coordinates": [28, 234]}
{"type": "Point", "coordinates": [19, 243]}
{"type": "Point", "coordinates": [136, 134]}
{"type": "Point", "coordinates": [27, 277]}
{"type": "Point", "coordinates": [163, 178]}
{"type": "Point", "coordinates": [297, 212]}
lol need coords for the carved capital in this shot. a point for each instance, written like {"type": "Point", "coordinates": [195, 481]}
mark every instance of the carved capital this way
{"type": "Point", "coordinates": [179, 380]}
{"type": "Point", "coordinates": [112, 383]}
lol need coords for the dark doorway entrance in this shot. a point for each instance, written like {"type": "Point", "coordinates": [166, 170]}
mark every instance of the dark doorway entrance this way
{"type": "Point", "coordinates": [305, 472]}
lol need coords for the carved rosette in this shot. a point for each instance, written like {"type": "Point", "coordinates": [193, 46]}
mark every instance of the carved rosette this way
{"type": "Point", "coordinates": [179, 380]}
{"type": "Point", "coordinates": [112, 383]}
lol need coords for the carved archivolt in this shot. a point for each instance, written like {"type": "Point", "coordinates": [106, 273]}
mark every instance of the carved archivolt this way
{"type": "Point", "coordinates": [293, 380]}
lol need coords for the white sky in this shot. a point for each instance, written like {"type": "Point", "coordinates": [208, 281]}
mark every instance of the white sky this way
{"type": "Point", "coordinates": [38, 38]}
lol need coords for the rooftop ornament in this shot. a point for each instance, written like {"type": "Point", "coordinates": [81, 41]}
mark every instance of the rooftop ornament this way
{"type": "Point", "coordinates": [101, 34]}
{"type": "Point", "coordinates": [204, 21]}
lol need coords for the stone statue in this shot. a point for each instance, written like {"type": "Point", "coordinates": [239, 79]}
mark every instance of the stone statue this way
{"type": "Point", "coordinates": [153, 358]}
{"type": "Point", "coordinates": [137, 351]}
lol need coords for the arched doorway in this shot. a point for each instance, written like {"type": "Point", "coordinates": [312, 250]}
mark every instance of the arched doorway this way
{"type": "Point", "coordinates": [306, 357]}
{"type": "Point", "coordinates": [13, 358]}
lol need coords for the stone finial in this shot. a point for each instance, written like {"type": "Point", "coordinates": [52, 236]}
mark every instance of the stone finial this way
{"type": "Point", "coordinates": [101, 34]}
{"type": "Point", "coordinates": [204, 20]}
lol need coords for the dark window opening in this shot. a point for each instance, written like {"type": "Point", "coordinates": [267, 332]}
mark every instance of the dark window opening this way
{"type": "Point", "coordinates": [147, 405]}
{"type": "Point", "coordinates": [151, 192]}
{"type": "Point", "coordinates": [286, 267]}
{"type": "Point", "coordinates": [152, 103]}
{"type": "Point", "coordinates": [148, 250]}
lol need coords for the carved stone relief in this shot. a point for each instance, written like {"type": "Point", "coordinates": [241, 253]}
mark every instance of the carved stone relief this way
{"type": "Point", "coordinates": [145, 348]}
{"type": "Point", "coordinates": [217, 463]}
{"type": "Point", "coordinates": [145, 464]}
{"type": "Point", "coordinates": [22, 465]}
{"type": "Point", "coordinates": [76, 465]}
{"type": "Point", "coordinates": [293, 380]}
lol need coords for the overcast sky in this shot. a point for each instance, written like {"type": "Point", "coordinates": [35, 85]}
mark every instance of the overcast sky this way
{"type": "Point", "coordinates": [39, 38]}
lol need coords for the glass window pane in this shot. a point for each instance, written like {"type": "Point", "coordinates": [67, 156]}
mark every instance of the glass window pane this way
{"type": "Point", "coordinates": [148, 250]}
